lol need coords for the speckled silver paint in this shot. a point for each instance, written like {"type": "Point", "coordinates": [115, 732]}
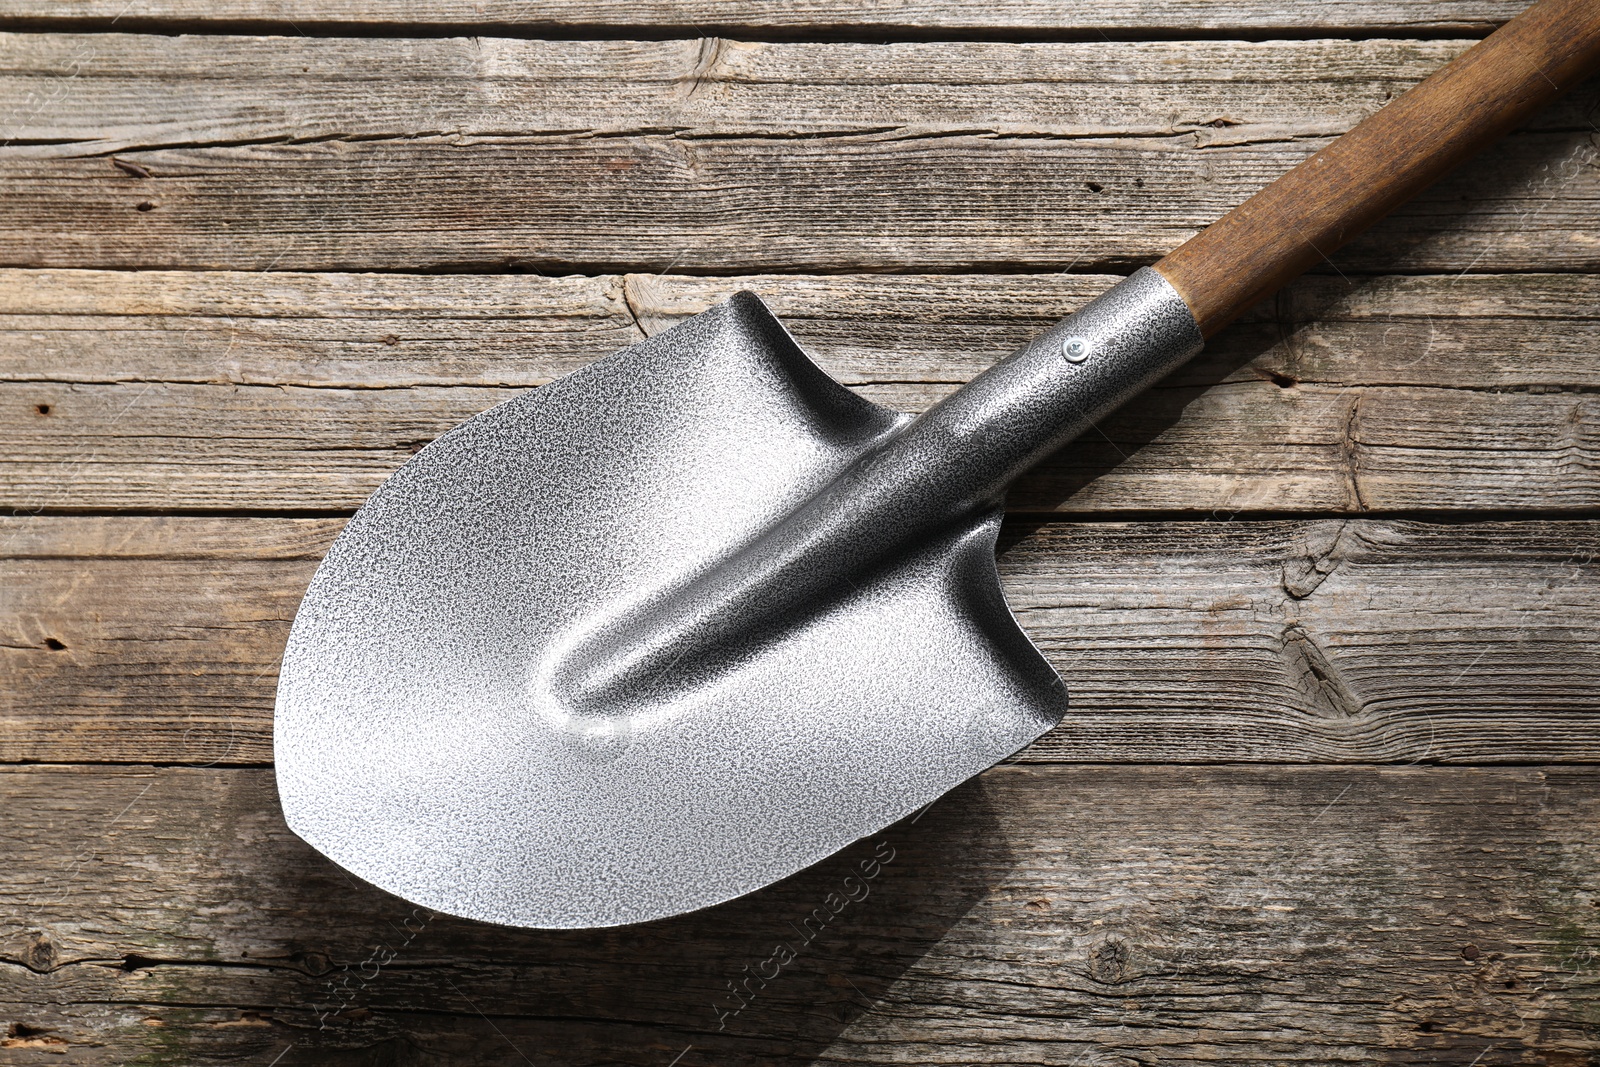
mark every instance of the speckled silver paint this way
{"type": "Point", "coordinates": [682, 623]}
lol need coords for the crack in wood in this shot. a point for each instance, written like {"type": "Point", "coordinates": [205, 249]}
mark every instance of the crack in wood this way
{"type": "Point", "coordinates": [1318, 553]}
{"type": "Point", "coordinates": [1350, 449]}
{"type": "Point", "coordinates": [1319, 680]}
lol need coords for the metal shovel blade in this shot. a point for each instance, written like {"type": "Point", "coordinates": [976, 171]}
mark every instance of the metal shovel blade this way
{"type": "Point", "coordinates": [425, 739]}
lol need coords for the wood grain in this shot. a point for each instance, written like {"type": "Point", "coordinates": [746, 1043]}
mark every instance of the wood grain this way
{"type": "Point", "coordinates": [885, 18]}
{"type": "Point", "coordinates": [114, 92]}
{"type": "Point", "coordinates": [1291, 641]}
{"type": "Point", "coordinates": [1108, 915]}
{"type": "Point", "coordinates": [723, 157]}
{"type": "Point", "coordinates": [286, 391]}
{"type": "Point", "coordinates": [1319, 206]}
{"type": "Point", "coordinates": [710, 205]}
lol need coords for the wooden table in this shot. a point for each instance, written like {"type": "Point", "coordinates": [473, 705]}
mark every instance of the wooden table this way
{"type": "Point", "coordinates": [1326, 600]}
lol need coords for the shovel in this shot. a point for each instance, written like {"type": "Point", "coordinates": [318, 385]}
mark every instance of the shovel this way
{"type": "Point", "coordinates": [697, 616]}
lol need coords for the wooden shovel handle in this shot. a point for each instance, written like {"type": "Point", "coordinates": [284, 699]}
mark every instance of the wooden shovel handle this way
{"type": "Point", "coordinates": [1302, 217]}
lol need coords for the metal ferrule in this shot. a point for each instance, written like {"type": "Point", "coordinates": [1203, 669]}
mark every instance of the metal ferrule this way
{"type": "Point", "coordinates": [1053, 389]}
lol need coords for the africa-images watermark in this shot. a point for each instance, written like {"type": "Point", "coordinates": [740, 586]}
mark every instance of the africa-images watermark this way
{"type": "Point", "coordinates": [349, 982]}
{"type": "Point", "coordinates": [853, 889]}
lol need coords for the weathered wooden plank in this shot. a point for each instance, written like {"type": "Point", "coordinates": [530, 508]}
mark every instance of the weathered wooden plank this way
{"type": "Point", "coordinates": [1239, 447]}
{"type": "Point", "coordinates": [728, 205]}
{"type": "Point", "coordinates": [375, 330]}
{"type": "Point", "coordinates": [133, 639]}
{"type": "Point", "coordinates": [162, 390]}
{"type": "Point", "coordinates": [886, 18]}
{"type": "Point", "coordinates": [1044, 915]}
{"type": "Point", "coordinates": [118, 91]}
{"type": "Point", "coordinates": [323, 330]}
{"type": "Point", "coordinates": [722, 156]}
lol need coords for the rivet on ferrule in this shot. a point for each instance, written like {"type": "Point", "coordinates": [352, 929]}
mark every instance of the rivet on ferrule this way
{"type": "Point", "coordinates": [1075, 349]}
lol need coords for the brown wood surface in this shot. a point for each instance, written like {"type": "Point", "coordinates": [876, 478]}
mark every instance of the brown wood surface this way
{"type": "Point", "coordinates": [571, 204]}
{"type": "Point", "coordinates": [1326, 600]}
{"type": "Point", "coordinates": [342, 155]}
{"type": "Point", "coordinates": [1304, 217]}
{"type": "Point", "coordinates": [116, 91]}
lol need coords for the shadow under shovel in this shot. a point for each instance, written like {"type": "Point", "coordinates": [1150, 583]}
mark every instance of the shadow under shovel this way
{"type": "Point", "coordinates": [770, 978]}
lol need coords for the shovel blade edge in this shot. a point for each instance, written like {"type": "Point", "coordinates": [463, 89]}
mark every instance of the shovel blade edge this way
{"type": "Point", "coordinates": [416, 748]}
